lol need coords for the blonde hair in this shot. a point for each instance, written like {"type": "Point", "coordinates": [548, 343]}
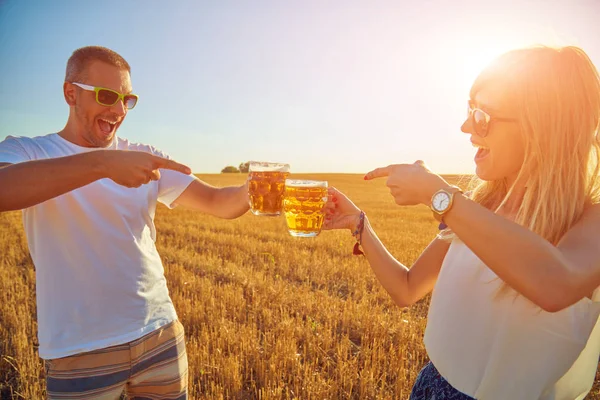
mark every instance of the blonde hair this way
{"type": "Point", "coordinates": [557, 94]}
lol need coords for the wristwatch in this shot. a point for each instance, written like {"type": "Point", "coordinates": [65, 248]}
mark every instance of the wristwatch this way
{"type": "Point", "coordinates": [442, 201]}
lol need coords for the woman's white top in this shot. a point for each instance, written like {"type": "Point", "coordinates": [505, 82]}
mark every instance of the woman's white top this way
{"type": "Point", "coordinates": [505, 347]}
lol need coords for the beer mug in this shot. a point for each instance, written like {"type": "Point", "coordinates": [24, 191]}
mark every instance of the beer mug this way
{"type": "Point", "coordinates": [265, 187]}
{"type": "Point", "coordinates": [303, 205]}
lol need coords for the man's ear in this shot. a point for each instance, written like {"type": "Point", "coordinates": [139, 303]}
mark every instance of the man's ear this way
{"type": "Point", "coordinates": [70, 95]}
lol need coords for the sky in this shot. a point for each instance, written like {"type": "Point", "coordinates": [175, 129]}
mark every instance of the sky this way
{"type": "Point", "coordinates": [326, 86]}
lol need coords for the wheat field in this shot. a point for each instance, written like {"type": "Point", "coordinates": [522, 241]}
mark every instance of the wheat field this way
{"type": "Point", "coordinates": [267, 316]}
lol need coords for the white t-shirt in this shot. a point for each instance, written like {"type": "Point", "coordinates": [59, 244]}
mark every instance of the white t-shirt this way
{"type": "Point", "coordinates": [99, 279]}
{"type": "Point", "coordinates": [506, 347]}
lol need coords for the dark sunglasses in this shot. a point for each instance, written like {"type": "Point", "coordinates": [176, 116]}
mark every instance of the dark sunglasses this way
{"type": "Point", "coordinates": [481, 120]}
{"type": "Point", "coordinates": [108, 97]}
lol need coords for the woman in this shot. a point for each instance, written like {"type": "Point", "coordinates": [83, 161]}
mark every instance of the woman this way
{"type": "Point", "coordinates": [516, 269]}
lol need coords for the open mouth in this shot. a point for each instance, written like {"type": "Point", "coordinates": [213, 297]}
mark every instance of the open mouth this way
{"type": "Point", "coordinates": [106, 127]}
{"type": "Point", "coordinates": [482, 152]}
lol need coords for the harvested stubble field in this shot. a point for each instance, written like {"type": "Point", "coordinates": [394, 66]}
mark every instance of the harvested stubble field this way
{"type": "Point", "coordinates": [267, 316]}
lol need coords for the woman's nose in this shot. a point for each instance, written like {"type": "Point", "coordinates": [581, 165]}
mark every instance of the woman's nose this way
{"type": "Point", "coordinates": [467, 126]}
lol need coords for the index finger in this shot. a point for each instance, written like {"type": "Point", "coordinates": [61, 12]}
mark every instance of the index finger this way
{"type": "Point", "coordinates": [378, 172]}
{"type": "Point", "coordinates": [165, 163]}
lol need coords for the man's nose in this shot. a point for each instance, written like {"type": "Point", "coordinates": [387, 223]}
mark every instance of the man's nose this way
{"type": "Point", "coordinates": [119, 108]}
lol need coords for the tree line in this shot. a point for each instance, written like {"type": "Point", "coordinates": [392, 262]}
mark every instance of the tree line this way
{"type": "Point", "coordinates": [243, 167]}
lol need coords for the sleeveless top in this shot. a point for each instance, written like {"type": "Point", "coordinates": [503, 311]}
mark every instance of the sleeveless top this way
{"type": "Point", "coordinates": [502, 346]}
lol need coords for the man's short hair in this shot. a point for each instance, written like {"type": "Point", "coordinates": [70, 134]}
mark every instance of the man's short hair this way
{"type": "Point", "coordinates": [82, 57]}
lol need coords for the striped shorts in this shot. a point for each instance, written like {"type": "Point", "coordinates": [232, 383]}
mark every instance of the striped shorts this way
{"type": "Point", "coordinates": [152, 367]}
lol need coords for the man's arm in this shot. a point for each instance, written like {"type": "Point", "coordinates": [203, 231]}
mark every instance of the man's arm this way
{"type": "Point", "coordinates": [32, 182]}
{"type": "Point", "coordinates": [26, 184]}
{"type": "Point", "coordinates": [226, 202]}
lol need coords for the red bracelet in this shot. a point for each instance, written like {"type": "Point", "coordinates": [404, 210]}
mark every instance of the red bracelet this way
{"type": "Point", "coordinates": [358, 235]}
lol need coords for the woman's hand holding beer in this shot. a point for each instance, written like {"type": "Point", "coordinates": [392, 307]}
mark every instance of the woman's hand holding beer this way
{"type": "Point", "coordinates": [340, 212]}
{"type": "Point", "coordinates": [410, 184]}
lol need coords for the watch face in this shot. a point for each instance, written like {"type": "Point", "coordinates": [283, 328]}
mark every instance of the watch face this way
{"type": "Point", "coordinates": [440, 202]}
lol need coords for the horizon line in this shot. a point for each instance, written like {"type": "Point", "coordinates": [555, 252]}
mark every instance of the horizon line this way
{"type": "Point", "coordinates": [318, 173]}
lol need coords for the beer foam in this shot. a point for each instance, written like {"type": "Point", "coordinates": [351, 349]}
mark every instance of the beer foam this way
{"type": "Point", "coordinates": [305, 183]}
{"type": "Point", "coordinates": [259, 166]}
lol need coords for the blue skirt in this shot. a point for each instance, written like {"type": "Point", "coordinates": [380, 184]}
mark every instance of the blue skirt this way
{"type": "Point", "coordinates": [430, 385]}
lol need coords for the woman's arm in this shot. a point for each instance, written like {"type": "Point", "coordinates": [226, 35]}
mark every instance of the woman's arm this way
{"type": "Point", "coordinates": [553, 277]}
{"type": "Point", "coordinates": [405, 286]}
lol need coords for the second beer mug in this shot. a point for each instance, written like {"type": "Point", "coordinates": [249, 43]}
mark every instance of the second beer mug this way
{"type": "Point", "coordinates": [303, 204]}
{"type": "Point", "coordinates": [265, 187]}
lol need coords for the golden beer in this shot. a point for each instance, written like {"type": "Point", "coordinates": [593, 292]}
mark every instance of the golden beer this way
{"type": "Point", "coordinates": [266, 183]}
{"type": "Point", "coordinates": [303, 204]}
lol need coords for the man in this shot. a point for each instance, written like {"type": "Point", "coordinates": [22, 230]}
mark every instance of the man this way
{"type": "Point", "coordinates": [106, 323]}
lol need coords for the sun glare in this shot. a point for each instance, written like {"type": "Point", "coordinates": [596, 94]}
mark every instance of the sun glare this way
{"type": "Point", "coordinates": [474, 63]}
{"type": "Point", "coordinates": [478, 55]}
